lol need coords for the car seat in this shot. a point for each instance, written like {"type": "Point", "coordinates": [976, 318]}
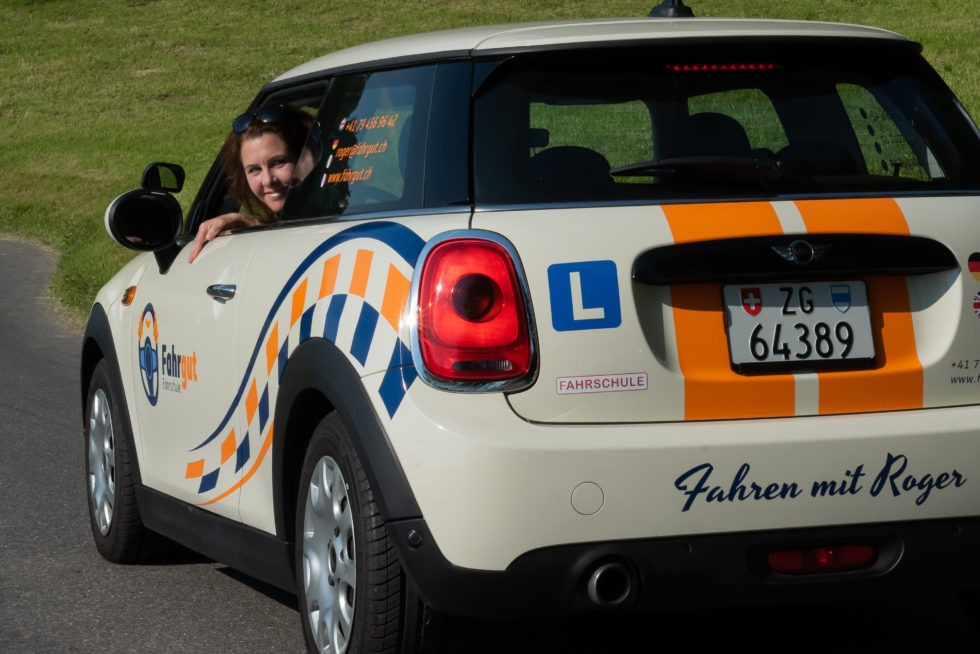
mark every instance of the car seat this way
{"type": "Point", "coordinates": [571, 166]}
{"type": "Point", "coordinates": [708, 134]}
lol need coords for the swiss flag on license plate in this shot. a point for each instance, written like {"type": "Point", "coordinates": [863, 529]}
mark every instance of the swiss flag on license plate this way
{"type": "Point", "coordinates": [752, 301]}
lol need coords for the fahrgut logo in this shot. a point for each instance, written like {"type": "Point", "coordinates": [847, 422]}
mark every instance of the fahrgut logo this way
{"type": "Point", "coordinates": [147, 353]}
{"type": "Point", "coordinates": [584, 295]}
{"type": "Point", "coordinates": [177, 369]}
{"type": "Point", "coordinates": [161, 366]}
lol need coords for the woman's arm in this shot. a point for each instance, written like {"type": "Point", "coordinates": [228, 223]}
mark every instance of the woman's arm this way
{"type": "Point", "coordinates": [216, 226]}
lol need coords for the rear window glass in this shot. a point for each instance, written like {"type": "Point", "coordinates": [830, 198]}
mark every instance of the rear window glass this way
{"type": "Point", "coordinates": [738, 120]}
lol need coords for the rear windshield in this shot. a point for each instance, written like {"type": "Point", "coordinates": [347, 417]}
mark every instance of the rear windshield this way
{"type": "Point", "coordinates": [740, 119]}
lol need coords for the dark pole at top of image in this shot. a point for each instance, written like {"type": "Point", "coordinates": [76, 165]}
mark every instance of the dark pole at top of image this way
{"type": "Point", "coordinates": [671, 9]}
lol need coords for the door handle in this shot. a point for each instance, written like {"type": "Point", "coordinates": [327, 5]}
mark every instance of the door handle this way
{"type": "Point", "coordinates": [222, 292]}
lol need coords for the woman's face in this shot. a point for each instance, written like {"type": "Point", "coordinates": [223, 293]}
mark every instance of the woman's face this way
{"type": "Point", "coordinates": [268, 169]}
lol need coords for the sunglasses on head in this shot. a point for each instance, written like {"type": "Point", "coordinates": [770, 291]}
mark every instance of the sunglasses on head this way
{"type": "Point", "coordinates": [270, 114]}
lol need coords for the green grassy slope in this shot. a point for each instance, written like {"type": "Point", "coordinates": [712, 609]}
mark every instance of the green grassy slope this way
{"type": "Point", "coordinates": [92, 90]}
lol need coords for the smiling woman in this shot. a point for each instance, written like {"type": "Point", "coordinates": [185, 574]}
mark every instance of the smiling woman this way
{"type": "Point", "coordinates": [260, 158]}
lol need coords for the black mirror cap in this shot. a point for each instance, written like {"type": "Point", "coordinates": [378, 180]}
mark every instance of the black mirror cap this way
{"type": "Point", "coordinates": [144, 220]}
{"type": "Point", "coordinates": [671, 9]}
{"type": "Point", "coordinates": [160, 176]}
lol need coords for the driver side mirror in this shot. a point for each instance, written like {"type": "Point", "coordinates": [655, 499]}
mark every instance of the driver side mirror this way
{"type": "Point", "coordinates": [144, 220]}
{"type": "Point", "coordinates": [149, 219]}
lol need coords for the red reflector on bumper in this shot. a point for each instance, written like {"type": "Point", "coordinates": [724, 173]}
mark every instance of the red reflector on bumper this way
{"type": "Point", "coordinates": [815, 560]}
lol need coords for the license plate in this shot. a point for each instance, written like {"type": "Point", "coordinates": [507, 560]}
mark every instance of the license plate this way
{"type": "Point", "coordinates": [808, 325]}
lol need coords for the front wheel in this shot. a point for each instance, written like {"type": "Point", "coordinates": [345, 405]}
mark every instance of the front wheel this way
{"type": "Point", "coordinates": [110, 471]}
{"type": "Point", "coordinates": [353, 595]}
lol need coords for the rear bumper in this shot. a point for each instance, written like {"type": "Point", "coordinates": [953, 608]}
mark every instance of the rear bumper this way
{"type": "Point", "coordinates": [692, 572]}
{"type": "Point", "coordinates": [516, 518]}
{"type": "Point", "coordinates": [492, 488]}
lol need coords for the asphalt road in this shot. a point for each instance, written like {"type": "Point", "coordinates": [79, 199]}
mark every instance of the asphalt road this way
{"type": "Point", "coordinates": [58, 595]}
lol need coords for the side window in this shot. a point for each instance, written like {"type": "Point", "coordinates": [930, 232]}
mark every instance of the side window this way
{"type": "Point", "coordinates": [368, 146]}
{"type": "Point", "coordinates": [884, 148]}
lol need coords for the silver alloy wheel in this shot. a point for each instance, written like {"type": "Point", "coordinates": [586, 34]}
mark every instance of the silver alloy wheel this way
{"type": "Point", "coordinates": [101, 461]}
{"type": "Point", "coordinates": [329, 570]}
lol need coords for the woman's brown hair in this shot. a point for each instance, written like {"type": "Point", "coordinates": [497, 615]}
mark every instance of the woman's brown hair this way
{"type": "Point", "coordinates": [292, 127]}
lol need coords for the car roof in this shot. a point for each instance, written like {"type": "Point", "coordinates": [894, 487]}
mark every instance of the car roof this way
{"type": "Point", "coordinates": [486, 39]}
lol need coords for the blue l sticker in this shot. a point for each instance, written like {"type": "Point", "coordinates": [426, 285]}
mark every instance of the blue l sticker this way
{"type": "Point", "coordinates": [584, 295]}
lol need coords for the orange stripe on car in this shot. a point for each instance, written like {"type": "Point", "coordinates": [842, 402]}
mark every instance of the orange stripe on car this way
{"type": "Point", "coordinates": [329, 279]}
{"type": "Point", "coordinates": [866, 216]}
{"type": "Point", "coordinates": [228, 446]}
{"type": "Point", "coordinates": [712, 390]}
{"type": "Point", "coordinates": [272, 348]}
{"type": "Point", "coordinates": [395, 299]}
{"type": "Point", "coordinates": [362, 272]}
{"type": "Point", "coordinates": [299, 302]}
{"type": "Point", "coordinates": [896, 382]}
{"type": "Point", "coordinates": [251, 403]}
{"type": "Point", "coordinates": [705, 222]}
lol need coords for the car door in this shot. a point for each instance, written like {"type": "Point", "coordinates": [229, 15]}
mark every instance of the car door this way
{"type": "Point", "coordinates": [189, 368]}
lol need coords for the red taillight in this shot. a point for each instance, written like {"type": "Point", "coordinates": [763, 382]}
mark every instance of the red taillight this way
{"type": "Point", "coordinates": [812, 560]}
{"type": "Point", "coordinates": [472, 325]}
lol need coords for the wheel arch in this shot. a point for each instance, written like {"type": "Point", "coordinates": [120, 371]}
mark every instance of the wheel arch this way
{"type": "Point", "coordinates": [93, 349]}
{"type": "Point", "coordinates": [318, 379]}
{"type": "Point", "coordinates": [98, 345]}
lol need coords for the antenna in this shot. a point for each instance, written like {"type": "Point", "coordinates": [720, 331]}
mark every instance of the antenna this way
{"type": "Point", "coordinates": [671, 9]}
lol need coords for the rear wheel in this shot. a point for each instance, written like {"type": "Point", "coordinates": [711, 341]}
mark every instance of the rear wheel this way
{"type": "Point", "coordinates": [970, 602]}
{"type": "Point", "coordinates": [353, 594]}
{"type": "Point", "coordinates": [114, 515]}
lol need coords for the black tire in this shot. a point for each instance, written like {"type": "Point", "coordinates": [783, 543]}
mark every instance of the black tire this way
{"type": "Point", "coordinates": [970, 603]}
{"type": "Point", "coordinates": [346, 561]}
{"type": "Point", "coordinates": [113, 512]}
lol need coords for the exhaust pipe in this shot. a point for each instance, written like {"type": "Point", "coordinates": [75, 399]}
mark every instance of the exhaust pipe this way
{"type": "Point", "coordinates": [609, 584]}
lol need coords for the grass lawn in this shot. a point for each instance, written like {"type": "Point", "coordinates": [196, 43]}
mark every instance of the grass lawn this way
{"type": "Point", "coordinates": [93, 90]}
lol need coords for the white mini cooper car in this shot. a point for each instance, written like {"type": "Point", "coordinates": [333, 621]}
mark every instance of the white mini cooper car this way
{"type": "Point", "coordinates": [567, 317]}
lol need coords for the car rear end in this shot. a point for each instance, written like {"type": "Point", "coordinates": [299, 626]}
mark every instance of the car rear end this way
{"type": "Point", "coordinates": [719, 338]}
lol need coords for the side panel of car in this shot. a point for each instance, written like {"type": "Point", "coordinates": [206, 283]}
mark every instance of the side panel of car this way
{"type": "Point", "coordinates": [348, 286]}
{"type": "Point", "coordinates": [350, 289]}
{"type": "Point", "coordinates": [347, 283]}
{"type": "Point", "coordinates": [104, 339]}
{"type": "Point", "coordinates": [187, 374]}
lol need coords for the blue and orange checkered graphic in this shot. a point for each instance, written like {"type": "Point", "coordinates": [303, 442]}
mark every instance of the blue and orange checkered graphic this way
{"type": "Point", "coordinates": [351, 290]}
